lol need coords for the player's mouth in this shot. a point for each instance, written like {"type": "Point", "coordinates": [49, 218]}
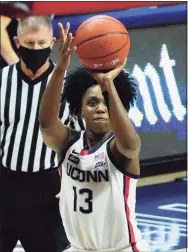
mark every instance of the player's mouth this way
{"type": "Point", "coordinates": [100, 119]}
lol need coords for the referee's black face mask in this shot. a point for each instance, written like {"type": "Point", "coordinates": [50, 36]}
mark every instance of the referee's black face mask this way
{"type": "Point", "coordinates": [34, 58]}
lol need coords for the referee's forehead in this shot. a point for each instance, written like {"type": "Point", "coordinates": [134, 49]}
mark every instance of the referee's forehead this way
{"type": "Point", "coordinates": [40, 33]}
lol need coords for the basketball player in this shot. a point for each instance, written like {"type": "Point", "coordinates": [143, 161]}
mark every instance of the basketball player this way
{"type": "Point", "coordinates": [100, 166]}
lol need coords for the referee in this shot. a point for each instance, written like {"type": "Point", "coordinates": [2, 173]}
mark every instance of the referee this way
{"type": "Point", "coordinates": [29, 176]}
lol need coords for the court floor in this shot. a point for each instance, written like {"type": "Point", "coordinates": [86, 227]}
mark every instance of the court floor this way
{"type": "Point", "coordinates": [161, 212]}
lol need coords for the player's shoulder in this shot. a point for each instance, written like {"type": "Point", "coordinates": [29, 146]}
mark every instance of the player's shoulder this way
{"type": "Point", "coordinates": [127, 166]}
{"type": "Point", "coordinates": [74, 136]}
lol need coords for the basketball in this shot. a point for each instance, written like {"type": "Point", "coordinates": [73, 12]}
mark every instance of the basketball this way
{"type": "Point", "coordinates": [102, 42]}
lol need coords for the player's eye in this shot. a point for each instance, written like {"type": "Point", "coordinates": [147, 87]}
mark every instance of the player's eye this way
{"type": "Point", "coordinates": [92, 103]}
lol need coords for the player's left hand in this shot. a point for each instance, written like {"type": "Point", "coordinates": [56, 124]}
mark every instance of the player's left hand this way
{"type": "Point", "coordinates": [66, 47]}
{"type": "Point", "coordinates": [105, 79]}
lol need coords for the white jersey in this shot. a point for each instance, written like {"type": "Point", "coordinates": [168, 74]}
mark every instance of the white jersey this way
{"type": "Point", "coordinates": [97, 202]}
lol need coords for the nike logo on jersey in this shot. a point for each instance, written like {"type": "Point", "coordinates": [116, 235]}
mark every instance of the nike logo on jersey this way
{"type": "Point", "coordinates": [74, 152]}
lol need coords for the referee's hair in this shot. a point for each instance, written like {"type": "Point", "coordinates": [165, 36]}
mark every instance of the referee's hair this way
{"type": "Point", "coordinates": [34, 23]}
{"type": "Point", "coordinates": [79, 80]}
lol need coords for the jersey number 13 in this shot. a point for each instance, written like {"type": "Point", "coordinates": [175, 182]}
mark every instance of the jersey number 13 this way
{"type": "Point", "coordinates": [88, 208]}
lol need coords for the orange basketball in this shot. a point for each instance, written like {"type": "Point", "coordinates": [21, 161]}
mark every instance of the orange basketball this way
{"type": "Point", "coordinates": [102, 42]}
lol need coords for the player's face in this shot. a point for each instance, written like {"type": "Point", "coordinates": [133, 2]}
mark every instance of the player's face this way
{"type": "Point", "coordinates": [36, 39]}
{"type": "Point", "coordinates": [95, 111]}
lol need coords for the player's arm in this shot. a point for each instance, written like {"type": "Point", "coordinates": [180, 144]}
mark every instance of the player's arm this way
{"type": "Point", "coordinates": [7, 51]}
{"type": "Point", "coordinates": [126, 139]}
{"type": "Point", "coordinates": [55, 134]}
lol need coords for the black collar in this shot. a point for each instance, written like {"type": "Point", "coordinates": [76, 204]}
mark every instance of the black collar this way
{"type": "Point", "coordinates": [38, 79]}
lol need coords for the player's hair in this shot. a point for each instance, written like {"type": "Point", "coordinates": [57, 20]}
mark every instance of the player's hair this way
{"type": "Point", "coordinates": [34, 22]}
{"type": "Point", "coordinates": [79, 80]}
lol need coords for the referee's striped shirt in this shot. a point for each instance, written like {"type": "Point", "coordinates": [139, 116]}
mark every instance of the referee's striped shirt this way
{"type": "Point", "coordinates": [21, 146]}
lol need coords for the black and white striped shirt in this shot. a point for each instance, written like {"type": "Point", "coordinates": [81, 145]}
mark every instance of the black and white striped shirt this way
{"type": "Point", "coordinates": [22, 147]}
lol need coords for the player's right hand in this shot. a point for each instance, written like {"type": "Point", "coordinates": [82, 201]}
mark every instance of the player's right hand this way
{"type": "Point", "coordinates": [105, 79]}
{"type": "Point", "coordinates": [66, 47]}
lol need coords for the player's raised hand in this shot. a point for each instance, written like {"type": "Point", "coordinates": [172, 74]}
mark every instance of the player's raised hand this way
{"type": "Point", "coordinates": [66, 47]}
{"type": "Point", "coordinates": [104, 79]}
